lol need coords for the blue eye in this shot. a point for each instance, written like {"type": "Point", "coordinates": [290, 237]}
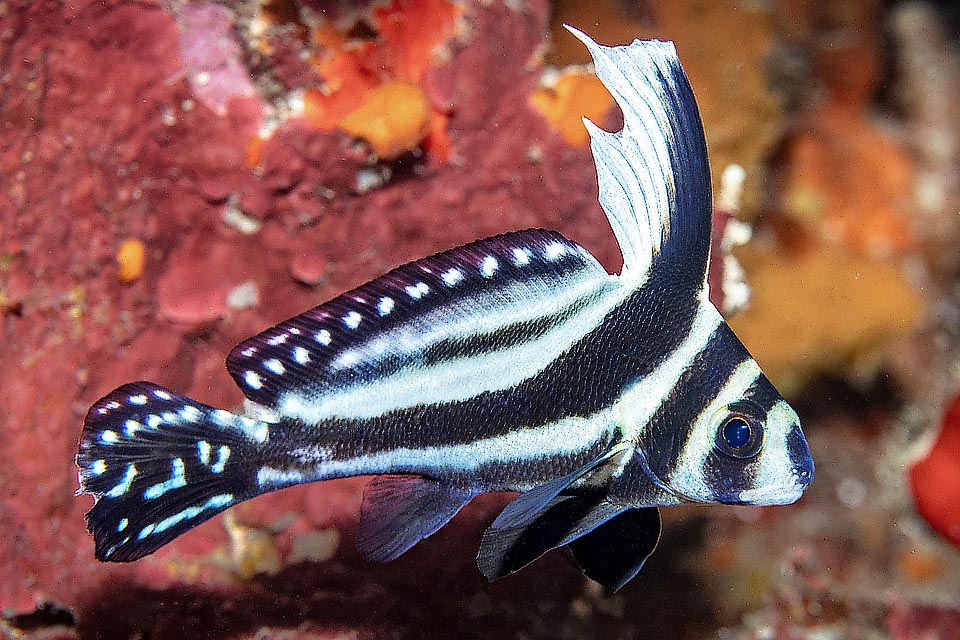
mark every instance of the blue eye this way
{"type": "Point", "coordinates": [736, 433]}
{"type": "Point", "coordinates": [740, 437]}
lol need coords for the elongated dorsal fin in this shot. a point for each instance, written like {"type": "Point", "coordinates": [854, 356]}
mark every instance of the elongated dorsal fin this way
{"type": "Point", "coordinates": [654, 175]}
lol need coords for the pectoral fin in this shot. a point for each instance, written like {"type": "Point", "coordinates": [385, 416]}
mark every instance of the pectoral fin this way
{"type": "Point", "coordinates": [562, 521]}
{"type": "Point", "coordinates": [614, 552]}
{"type": "Point", "coordinates": [539, 520]}
{"type": "Point", "coordinates": [399, 511]}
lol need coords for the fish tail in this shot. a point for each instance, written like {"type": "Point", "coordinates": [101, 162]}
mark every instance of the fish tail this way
{"type": "Point", "coordinates": [158, 464]}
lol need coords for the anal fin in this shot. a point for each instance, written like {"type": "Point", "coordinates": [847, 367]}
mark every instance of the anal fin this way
{"type": "Point", "coordinates": [399, 511]}
{"type": "Point", "coordinates": [614, 552]}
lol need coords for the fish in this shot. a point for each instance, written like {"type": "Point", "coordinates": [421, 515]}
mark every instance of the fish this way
{"type": "Point", "coordinates": [515, 363]}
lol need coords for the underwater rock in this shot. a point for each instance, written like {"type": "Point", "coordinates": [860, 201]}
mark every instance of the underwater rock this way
{"type": "Point", "coordinates": [923, 622]}
{"type": "Point", "coordinates": [819, 309]}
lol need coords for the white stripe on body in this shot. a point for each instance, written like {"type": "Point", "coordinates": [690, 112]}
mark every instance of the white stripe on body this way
{"type": "Point", "coordinates": [464, 378]}
{"type": "Point", "coordinates": [566, 437]}
{"type": "Point", "coordinates": [640, 402]}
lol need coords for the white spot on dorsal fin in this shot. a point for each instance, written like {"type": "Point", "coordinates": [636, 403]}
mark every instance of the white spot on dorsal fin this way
{"type": "Point", "coordinates": [489, 266]}
{"type": "Point", "coordinates": [521, 256]}
{"type": "Point", "coordinates": [352, 319]}
{"type": "Point", "coordinates": [417, 291]}
{"type": "Point", "coordinates": [277, 339]}
{"type": "Point", "coordinates": [161, 394]}
{"type": "Point", "coordinates": [249, 351]}
{"type": "Point", "coordinates": [323, 337]}
{"type": "Point", "coordinates": [554, 250]}
{"type": "Point", "coordinates": [385, 306]}
{"type": "Point", "coordinates": [452, 276]}
{"type": "Point", "coordinates": [300, 355]}
{"type": "Point", "coordinates": [138, 399]}
{"type": "Point", "coordinates": [252, 378]}
{"type": "Point", "coordinates": [295, 331]}
{"type": "Point", "coordinates": [190, 413]}
{"type": "Point", "coordinates": [275, 366]}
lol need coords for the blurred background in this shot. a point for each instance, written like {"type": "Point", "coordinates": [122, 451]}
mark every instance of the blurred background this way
{"type": "Point", "coordinates": [177, 176]}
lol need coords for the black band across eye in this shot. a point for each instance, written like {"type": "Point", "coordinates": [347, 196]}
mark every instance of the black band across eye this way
{"type": "Point", "coordinates": [740, 437]}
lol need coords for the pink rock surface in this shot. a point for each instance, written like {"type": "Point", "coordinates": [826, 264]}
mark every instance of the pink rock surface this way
{"type": "Point", "coordinates": [105, 138]}
{"type": "Point", "coordinates": [212, 58]}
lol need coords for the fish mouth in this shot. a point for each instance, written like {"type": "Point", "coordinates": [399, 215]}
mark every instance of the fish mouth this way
{"type": "Point", "coordinates": [771, 496]}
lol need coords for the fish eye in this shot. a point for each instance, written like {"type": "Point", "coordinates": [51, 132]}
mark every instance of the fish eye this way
{"type": "Point", "coordinates": [740, 435]}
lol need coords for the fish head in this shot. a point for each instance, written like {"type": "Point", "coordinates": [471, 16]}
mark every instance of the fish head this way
{"type": "Point", "coordinates": [758, 454]}
{"type": "Point", "coordinates": [726, 435]}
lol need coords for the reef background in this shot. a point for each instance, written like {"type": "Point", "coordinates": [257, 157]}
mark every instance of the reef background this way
{"type": "Point", "coordinates": [175, 177]}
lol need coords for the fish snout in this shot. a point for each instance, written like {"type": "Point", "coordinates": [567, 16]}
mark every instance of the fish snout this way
{"type": "Point", "coordinates": [800, 458]}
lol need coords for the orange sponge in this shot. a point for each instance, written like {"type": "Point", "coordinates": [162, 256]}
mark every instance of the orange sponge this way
{"type": "Point", "coordinates": [131, 257]}
{"type": "Point", "coordinates": [576, 94]}
{"type": "Point", "coordinates": [393, 118]}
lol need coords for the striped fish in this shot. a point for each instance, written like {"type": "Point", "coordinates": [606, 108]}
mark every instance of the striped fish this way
{"type": "Point", "coordinates": [514, 363]}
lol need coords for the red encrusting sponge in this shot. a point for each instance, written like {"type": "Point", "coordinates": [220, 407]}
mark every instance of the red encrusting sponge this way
{"type": "Point", "coordinates": [935, 480]}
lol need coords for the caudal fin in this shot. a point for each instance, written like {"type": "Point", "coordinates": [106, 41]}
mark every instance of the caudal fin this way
{"type": "Point", "coordinates": [158, 464]}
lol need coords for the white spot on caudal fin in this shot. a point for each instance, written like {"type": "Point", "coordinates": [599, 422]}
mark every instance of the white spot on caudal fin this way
{"type": "Point", "coordinates": [385, 306]}
{"type": "Point", "coordinates": [203, 451]}
{"type": "Point", "coordinates": [521, 256]}
{"type": "Point", "coordinates": [275, 365]}
{"type": "Point", "coordinates": [223, 454]}
{"type": "Point", "coordinates": [216, 502]}
{"type": "Point", "coordinates": [122, 525]}
{"type": "Point", "coordinates": [108, 437]}
{"type": "Point", "coordinates": [252, 378]}
{"type": "Point", "coordinates": [99, 467]}
{"type": "Point", "coordinates": [154, 421]}
{"type": "Point", "coordinates": [124, 485]}
{"type": "Point", "coordinates": [352, 319]}
{"type": "Point", "coordinates": [178, 478]}
{"type": "Point", "coordinates": [418, 290]}
{"type": "Point", "coordinates": [323, 337]}
{"type": "Point", "coordinates": [489, 266]}
{"type": "Point", "coordinates": [300, 355]}
{"type": "Point", "coordinates": [451, 276]}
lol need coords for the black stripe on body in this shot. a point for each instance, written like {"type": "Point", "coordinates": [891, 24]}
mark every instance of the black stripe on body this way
{"type": "Point", "coordinates": [663, 441]}
{"type": "Point", "coordinates": [588, 378]}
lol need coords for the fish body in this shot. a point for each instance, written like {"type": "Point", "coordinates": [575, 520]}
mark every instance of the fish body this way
{"type": "Point", "coordinates": [514, 363]}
